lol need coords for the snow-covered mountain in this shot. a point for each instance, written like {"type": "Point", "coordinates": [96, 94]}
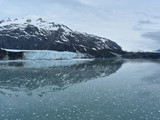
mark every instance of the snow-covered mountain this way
{"type": "Point", "coordinates": [37, 34]}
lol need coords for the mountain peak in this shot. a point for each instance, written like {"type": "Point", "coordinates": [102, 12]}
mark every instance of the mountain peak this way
{"type": "Point", "coordinates": [40, 20]}
{"type": "Point", "coordinates": [22, 23]}
{"type": "Point", "coordinates": [37, 34]}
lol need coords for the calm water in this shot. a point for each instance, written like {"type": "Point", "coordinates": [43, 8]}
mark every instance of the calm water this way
{"type": "Point", "coordinates": [80, 90]}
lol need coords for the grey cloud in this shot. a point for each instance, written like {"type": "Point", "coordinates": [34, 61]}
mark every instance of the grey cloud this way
{"type": "Point", "coordinates": [138, 28]}
{"type": "Point", "coordinates": [152, 35]}
{"type": "Point", "coordinates": [140, 24]}
{"type": "Point", "coordinates": [145, 22]}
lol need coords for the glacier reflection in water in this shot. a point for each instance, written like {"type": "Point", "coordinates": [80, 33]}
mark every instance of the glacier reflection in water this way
{"type": "Point", "coordinates": [80, 90]}
{"type": "Point", "coordinates": [54, 75]}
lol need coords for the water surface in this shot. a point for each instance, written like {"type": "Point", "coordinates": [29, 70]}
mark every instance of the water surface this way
{"type": "Point", "coordinates": [80, 90]}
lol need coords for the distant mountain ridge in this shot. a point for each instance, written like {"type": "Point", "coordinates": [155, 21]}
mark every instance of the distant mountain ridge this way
{"type": "Point", "coordinates": [37, 34]}
{"type": "Point", "coordinates": [157, 50]}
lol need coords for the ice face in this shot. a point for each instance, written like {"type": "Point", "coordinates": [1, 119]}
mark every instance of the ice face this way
{"type": "Point", "coordinates": [47, 54]}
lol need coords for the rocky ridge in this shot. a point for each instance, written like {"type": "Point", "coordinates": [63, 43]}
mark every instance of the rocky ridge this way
{"type": "Point", "coordinates": [29, 34]}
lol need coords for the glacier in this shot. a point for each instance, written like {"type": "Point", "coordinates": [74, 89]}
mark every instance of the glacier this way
{"type": "Point", "coordinates": [47, 54]}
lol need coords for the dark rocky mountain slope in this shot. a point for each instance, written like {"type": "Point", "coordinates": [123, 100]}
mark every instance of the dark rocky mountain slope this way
{"type": "Point", "coordinates": [28, 34]}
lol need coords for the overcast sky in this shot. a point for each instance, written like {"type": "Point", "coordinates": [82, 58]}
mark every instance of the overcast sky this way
{"type": "Point", "coordinates": [133, 24]}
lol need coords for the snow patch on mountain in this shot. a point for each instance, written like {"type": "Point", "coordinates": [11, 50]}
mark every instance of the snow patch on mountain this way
{"type": "Point", "coordinates": [11, 24]}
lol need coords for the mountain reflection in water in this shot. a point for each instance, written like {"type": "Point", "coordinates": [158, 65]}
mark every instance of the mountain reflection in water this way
{"type": "Point", "coordinates": [56, 75]}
